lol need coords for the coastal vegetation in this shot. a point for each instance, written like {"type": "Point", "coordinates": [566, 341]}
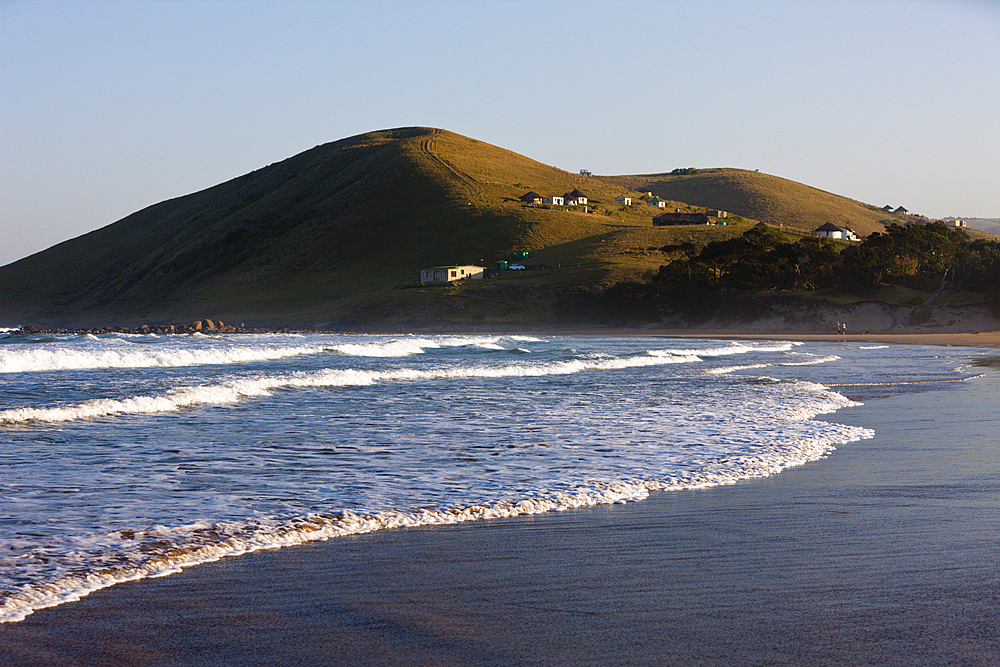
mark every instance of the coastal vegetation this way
{"type": "Point", "coordinates": [336, 237]}
{"type": "Point", "coordinates": [928, 263]}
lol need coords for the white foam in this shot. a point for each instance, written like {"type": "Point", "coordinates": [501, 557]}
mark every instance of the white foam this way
{"type": "Point", "coordinates": [408, 346]}
{"type": "Point", "coordinates": [727, 350]}
{"type": "Point", "coordinates": [198, 349]}
{"type": "Point", "coordinates": [58, 358]}
{"type": "Point", "coordinates": [165, 550]}
{"type": "Point", "coordinates": [398, 348]}
{"type": "Point", "coordinates": [722, 370]}
{"type": "Point", "coordinates": [235, 390]}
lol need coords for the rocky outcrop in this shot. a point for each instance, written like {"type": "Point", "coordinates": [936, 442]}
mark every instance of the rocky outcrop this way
{"type": "Point", "coordinates": [208, 327]}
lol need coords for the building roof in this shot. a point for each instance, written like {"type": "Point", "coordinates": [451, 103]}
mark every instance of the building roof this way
{"type": "Point", "coordinates": [830, 227]}
{"type": "Point", "coordinates": [576, 193]}
{"type": "Point", "coordinates": [530, 196]}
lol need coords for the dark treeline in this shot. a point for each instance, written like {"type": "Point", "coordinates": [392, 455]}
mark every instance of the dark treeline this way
{"type": "Point", "coordinates": [700, 284]}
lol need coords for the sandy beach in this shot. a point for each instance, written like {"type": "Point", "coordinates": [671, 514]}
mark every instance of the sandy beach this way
{"type": "Point", "coordinates": [977, 339]}
{"type": "Point", "coordinates": [903, 337]}
{"type": "Point", "coordinates": [884, 553]}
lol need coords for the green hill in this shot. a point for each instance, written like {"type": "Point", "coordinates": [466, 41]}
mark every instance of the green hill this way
{"type": "Point", "coordinates": [334, 234]}
{"type": "Point", "coordinates": [326, 235]}
{"type": "Point", "coordinates": [776, 201]}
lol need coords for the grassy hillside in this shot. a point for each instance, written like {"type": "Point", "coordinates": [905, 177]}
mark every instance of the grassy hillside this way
{"type": "Point", "coordinates": [752, 194]}
{"type": "Point", "coordinates": [323, 236]}
{"type": "Point", "coordinates": [339, 233]}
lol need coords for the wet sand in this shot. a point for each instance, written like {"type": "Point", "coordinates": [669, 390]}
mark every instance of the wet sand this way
{"type": "Point", "coordinates": [903, 337]}
{"type": "Point", "coordinates": [885, 553]}
{"type": "Point", "coordinates": [977, 339]}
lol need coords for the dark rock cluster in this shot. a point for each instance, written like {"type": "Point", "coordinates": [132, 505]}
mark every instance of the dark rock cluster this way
{"type": "Point", "coordinates": [198, 326]}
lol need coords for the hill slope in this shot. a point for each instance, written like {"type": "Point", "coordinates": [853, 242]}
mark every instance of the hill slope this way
{"type": "Point", "coordinates": [772, 199]}
{"type": "Point", "coordinates": [327, 236]}
{"type": "Point", "coordinates": [297, 240]}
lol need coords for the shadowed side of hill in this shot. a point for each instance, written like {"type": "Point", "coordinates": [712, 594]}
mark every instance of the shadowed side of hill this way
{"type": "Point", "coordinates": [308, 213]}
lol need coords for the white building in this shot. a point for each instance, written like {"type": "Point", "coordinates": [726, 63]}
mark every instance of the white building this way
{"type": "Point", "coordinates": [624, 201]}
{"type": "Point", "coordinates": [552, 201]}
{"type": "Point", "coordinates": [832, 231]}
{"type": "Point", "coordinates": [656, 202]}
{"type": "Point", "coordinates": [444, 274]}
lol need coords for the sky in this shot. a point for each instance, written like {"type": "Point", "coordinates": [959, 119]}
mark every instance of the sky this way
{"type": "Point", "coordinates": [108, 107]}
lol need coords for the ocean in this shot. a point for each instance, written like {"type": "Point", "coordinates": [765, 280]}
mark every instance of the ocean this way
{"type": "Point", "coordinates": [125, 456]}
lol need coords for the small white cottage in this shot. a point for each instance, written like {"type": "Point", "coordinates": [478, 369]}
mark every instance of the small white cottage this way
{"type": "Point", "coordinates": [832, 231]}
{"type": "Point", "coordinates": [445, 274]}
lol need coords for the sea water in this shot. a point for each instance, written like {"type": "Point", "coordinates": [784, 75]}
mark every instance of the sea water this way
{"type": "Point", "coordinates": [125, 456]}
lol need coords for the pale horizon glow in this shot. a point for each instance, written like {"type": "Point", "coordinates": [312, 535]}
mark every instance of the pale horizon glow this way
{"type": "Point", "coordinates": [108, 107]}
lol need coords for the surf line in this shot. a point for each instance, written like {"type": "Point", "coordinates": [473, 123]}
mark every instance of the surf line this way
{"type": "Point", "coordinates": [902, 382]}
{"type": "Point", "coordinates": [234, 391]}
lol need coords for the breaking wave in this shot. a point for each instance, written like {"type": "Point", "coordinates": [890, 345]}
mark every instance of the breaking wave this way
{"type": "Point", "coordinates": [235, 390]}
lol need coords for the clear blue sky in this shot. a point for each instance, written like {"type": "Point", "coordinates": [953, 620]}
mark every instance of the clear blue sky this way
{"type": "Point", "coordinates": [108, 107]}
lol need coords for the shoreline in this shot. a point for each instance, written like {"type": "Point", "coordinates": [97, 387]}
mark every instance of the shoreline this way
{"type": "Point", "coordinates": [978, 339]}
{"type": "Point", "coordinates": [881, 553]}
{"type": "Point", "coordinates": [913, 337]}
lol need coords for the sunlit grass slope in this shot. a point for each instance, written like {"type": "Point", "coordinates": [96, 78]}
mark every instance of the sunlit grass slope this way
{"type": "Point", "coordinates": [772, 199]}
